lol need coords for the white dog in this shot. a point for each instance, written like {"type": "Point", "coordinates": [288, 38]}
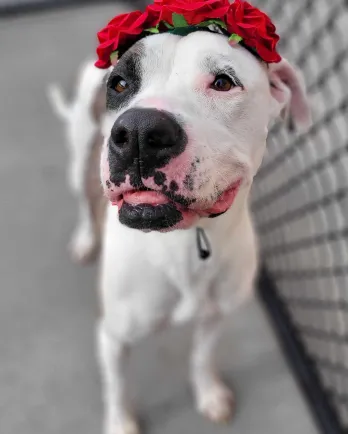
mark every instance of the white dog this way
{"type": "Point", "coordinates": [184, 134]}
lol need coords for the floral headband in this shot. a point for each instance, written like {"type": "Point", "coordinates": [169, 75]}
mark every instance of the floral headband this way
{"type": "Point", "coordinates": [240, 21]}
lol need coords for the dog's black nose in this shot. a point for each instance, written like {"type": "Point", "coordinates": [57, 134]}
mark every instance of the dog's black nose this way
{"type": "Point", "coordinates": [152, 135]}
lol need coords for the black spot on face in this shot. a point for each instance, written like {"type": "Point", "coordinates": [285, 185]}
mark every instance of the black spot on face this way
{"type": "Point", "coordinates": [194, 165]}
{"type": "Point", "coordinates": [120, 178]}
{"type": "Point", "coordinates": [178, 198]}
{"type": "Point", "coordinates": [108, 183]}
{"type": "Point", "coordinates": [174, 186]}
{"type": "Point", "coordinates": [127, 68]}
{"type": "Point", "coordinates": [188, 182]}
{"type": "Point", "coordinates": [159, 178]}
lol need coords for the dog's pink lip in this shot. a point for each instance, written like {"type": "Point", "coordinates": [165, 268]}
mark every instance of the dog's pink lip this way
{"type": "Point", "coordinates": [145, 198]}
{"type": "Point", "coordinates": [154, 198]}
{"type": "Point", "coordinates": [141, 197]}
{"type": "Point", "coordinates": [225, 200]}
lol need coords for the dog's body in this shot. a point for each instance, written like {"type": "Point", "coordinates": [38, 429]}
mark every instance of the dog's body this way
{"type": "Point", "coordinates": [150, 279]}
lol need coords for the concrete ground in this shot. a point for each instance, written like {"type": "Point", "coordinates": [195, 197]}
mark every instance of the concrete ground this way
{"type": "Point", "coordinates": [49, 382]}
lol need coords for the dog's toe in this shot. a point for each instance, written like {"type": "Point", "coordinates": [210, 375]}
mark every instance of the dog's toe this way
{"type": "Point", "coordinates": [217, 403]}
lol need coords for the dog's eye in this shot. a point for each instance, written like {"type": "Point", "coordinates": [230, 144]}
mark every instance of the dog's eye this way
{"type": "Point", "coordinates": [119, 85]}
{"type": "Point", "coordinates": [222, 83]}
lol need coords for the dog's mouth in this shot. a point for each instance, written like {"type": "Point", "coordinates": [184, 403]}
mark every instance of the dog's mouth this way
{"type": "Point", "coordinates": [151, 210]}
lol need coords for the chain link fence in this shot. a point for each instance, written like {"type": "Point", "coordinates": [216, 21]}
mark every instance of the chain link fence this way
{"type": "Point", "coordinates": [300, 204]}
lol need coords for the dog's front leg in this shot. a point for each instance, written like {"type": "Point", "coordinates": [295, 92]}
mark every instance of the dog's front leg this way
{"type": "Point", "coordinates": [112, 357]}
{"type": "Point", "coordinates": [213, 398]}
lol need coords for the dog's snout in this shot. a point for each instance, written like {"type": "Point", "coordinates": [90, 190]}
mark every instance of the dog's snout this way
{"type": "Point", "coordinates": [148, 131]}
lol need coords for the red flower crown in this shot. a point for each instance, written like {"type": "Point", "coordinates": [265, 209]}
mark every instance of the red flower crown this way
{"type": "Point", "coordinates": [240, 21]}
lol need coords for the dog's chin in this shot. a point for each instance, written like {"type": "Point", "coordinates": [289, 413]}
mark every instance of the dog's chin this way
{"type": "Point", "coordinates": [148, 217]}
{"type": "Point", "coordinates": [160, 218]}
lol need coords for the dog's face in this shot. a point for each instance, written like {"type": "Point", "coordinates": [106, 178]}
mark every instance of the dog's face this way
{"type": "Point", "coordinates": [186, 126]}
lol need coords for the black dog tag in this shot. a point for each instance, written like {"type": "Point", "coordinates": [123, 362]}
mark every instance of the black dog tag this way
{"type": "Point", "coordinates": [203, 245]}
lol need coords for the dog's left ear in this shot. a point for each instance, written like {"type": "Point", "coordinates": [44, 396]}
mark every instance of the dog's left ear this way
{"type": "Point", "coordinates": [289, 98]}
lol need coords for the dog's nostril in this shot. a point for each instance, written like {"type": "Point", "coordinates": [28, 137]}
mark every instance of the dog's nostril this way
{"type": "Point", "coordinates": [121, 136]}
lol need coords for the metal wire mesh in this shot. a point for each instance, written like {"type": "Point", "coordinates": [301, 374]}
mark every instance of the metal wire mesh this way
{"type": "Point", "coordinates": [300, 200]}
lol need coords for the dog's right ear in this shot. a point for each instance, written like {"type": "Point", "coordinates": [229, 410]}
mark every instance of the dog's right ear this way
{"type": "Point", "coordinates": [289, 97]}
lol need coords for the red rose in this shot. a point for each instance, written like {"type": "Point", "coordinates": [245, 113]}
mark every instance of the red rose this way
{"type": "Point", "coordinates": [255, 27]}
{"type": "Point", "coordinates": [193, 11]}
{"type": "Point", "coordinates": [122, 29]}
{"type": "Point", "coordinates": [241, 18]}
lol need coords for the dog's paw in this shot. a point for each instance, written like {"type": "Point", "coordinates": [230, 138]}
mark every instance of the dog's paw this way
{"type": "Point", "coordinates": [127, 426]}
{"type": "Point", "coordinates": [83, 246]}
{"type": "Point", "coordinates": [217, 403]}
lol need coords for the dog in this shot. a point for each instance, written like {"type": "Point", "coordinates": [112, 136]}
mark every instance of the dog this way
{"type": "Point", "coordinates": [182, 138]}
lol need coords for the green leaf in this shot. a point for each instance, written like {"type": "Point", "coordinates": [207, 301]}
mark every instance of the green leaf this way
{"type": "Point", "coordinates": [113, 56]}
{"type": "Point", "coordinates": [217, 22]}
{"type": "Point", "coordinates": [183, 31]}
{"type": "Point", "coordinates": [235, 37]}
{"type": "Point", "coordinates": [152, 30]}
{"type": "Point", "coordinates": [169, 26]}
{"type": "Point", "coordinates": [179, 20]}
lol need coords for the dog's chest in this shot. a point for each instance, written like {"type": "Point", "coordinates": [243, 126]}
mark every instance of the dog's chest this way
{"type": "Point", "coordinates": [154, 279]}
{"type": "Point", "coordinates": [188, 277]}
{"type": "Point", "coordinates": [196, 278]}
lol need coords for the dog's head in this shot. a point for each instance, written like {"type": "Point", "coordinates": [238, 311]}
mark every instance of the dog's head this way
{"type": "Point", "coordinates": [186, 126]}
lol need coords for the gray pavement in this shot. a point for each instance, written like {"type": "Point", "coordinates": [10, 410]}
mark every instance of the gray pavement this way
{"type": "Point", "coordinates": [49, 382]}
